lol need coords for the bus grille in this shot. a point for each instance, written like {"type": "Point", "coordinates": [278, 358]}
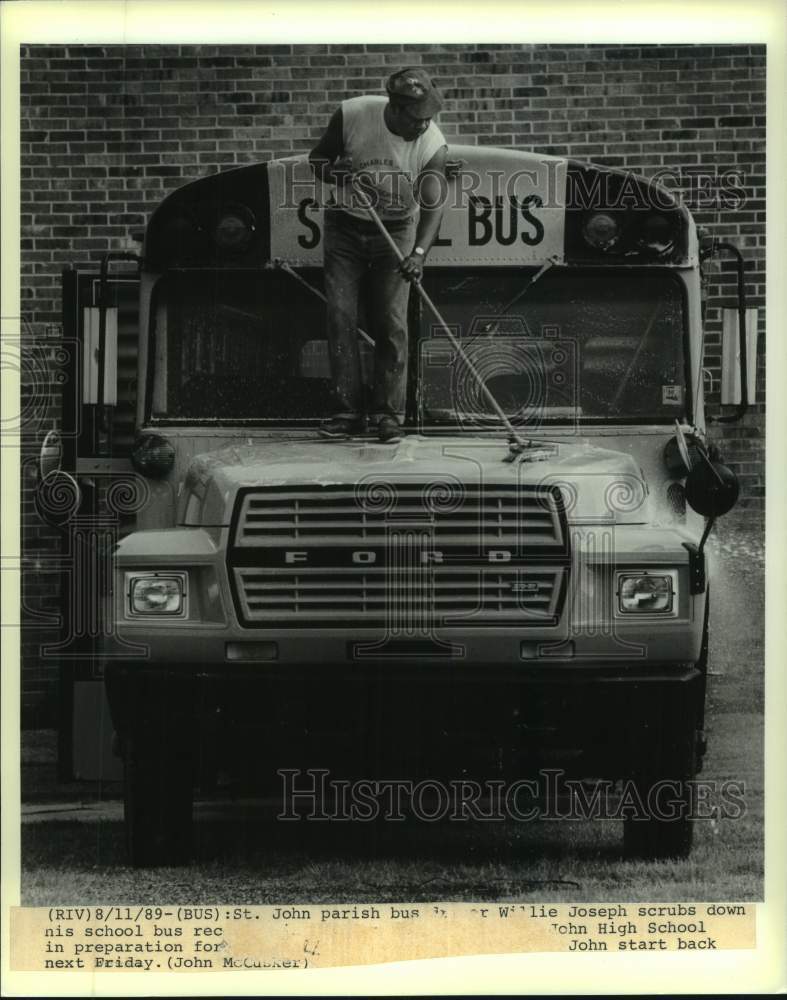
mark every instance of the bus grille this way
{"type": "Point", "coordinates": [456, 514]}
{"type": "Point", "coordinates": [410, 558]}
{"type": "Point", "coordinates": [405, 601]}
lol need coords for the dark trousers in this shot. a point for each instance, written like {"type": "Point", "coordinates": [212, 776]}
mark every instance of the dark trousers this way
{"type": "Point", "coordinates": [355, 252]}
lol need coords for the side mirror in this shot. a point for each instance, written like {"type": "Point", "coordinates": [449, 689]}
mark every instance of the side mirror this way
{"type": "Point", "coordinates": [680, 456]}
{"type": "Point", "coordinates": [737, 319]}
{"type": "Point", "coordinates": [50, 458]}
{"type": "Point", "coordinates": [91, 360]}
{"type": "Point", "coordinates": [731, 365]}
{"type": "Point", "coordinates": [711, 488]}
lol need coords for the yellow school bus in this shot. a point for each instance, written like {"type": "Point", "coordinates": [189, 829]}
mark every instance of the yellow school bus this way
{"type": "Point", "coordinates": [448, 605]}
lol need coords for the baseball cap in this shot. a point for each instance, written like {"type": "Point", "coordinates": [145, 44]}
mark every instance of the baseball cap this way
{"type": "Point", "coordinates": [413, 86]}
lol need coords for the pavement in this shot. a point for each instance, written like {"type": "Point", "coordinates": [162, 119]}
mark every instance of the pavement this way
{"type": "Point", "coordinates": [86, 812]}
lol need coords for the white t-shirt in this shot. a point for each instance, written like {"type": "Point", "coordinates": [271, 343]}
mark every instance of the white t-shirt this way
{"type": "Point", "coordinates": [393, 163]}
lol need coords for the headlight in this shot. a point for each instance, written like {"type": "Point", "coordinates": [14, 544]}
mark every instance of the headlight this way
{"type": "Point", "coordinates": [647, 593]}
{"type": "Point", "coordinates": [156, 595]}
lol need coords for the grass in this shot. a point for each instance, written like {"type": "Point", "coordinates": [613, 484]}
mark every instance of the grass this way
{"type": "Point", "coordinates": [554, 867]}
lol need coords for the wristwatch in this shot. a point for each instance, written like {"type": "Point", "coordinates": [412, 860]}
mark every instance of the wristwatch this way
{"type": "Point", "coordinates": [420, 251]}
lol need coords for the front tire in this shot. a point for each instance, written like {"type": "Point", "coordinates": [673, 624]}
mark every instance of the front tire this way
{"type": "Point", "coordinates": [665, 830]}
{"type": "Point", "coordinates": [158, 786]}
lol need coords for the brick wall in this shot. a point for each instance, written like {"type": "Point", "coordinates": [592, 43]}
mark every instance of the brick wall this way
{"type": "Point", "coordinates": [108, 131]}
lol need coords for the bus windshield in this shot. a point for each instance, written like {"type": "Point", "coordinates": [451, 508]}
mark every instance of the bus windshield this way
{"type": "Point", "coordinates": [591, 345]}
{"type": "Point", "coordinates": [239, 346]}
{"type": "Point", "coordinates": [598, 345]}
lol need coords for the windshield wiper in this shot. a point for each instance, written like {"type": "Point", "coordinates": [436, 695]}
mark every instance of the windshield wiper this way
{"type": "Point", "coordinates": [282, 265]}
{"type": "Point", "coordinates": [531, 451]}
{"type": "Point", "coordinates": [517, 446]}
{"type": "Point", "coordinates": [489, 326]}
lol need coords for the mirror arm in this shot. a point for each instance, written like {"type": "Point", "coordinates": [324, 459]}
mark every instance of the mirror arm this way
{"type": "Point", "coordinates": [743, 406]}
{"type": "Point", "coordinates": [697, 581]}
{"type": "Point", "coordinates": [103, 304]}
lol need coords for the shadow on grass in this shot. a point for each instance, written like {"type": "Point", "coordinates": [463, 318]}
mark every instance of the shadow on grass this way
{"type": "Point", "coordinates": [255, 840]}
{"type": "Point", "coordinates": [261, 861]}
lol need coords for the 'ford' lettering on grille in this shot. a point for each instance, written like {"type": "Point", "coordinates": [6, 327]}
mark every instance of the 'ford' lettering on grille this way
{"type": "Point", "coordinates": [368, 557]}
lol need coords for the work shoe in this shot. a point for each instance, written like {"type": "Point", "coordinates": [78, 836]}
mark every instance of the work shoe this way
{"type": "Point", "coordinates": [389, 431]}
{"type": "Point", "coordinates": [338, 428]}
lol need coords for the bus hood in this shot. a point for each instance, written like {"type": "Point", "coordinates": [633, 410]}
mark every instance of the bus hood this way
{"type": "Point", "coordinates": [596, 482]}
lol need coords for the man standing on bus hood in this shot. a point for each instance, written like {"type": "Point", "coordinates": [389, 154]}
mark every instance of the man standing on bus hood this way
{"type": "Point", "coordinates": [397, 154]}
